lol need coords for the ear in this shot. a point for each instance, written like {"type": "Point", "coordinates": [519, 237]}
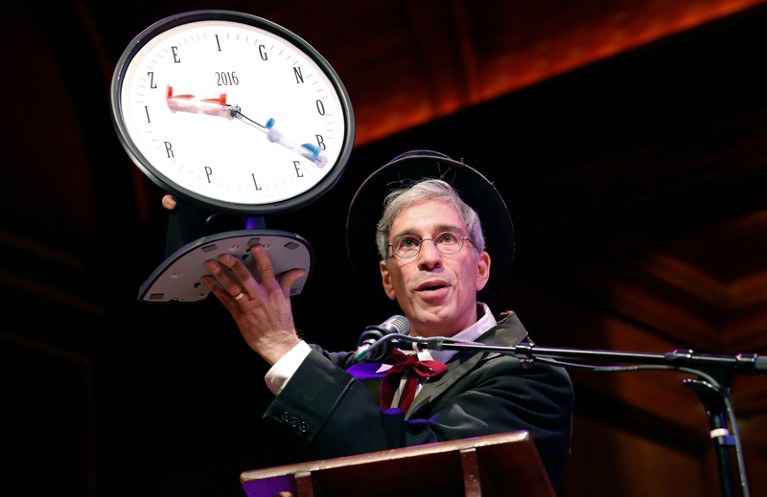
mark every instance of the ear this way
{"type": "Point", "coordinates": [386, 280]}
{"type": "Point", "coordinates": [483, 270]}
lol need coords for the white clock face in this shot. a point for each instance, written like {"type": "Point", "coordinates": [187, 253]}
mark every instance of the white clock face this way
{"type": "Point", "coordinates": [232, 114]}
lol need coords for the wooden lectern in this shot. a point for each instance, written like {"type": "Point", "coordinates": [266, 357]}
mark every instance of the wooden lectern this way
{"type": "Point", "coordinates": [489, 466]}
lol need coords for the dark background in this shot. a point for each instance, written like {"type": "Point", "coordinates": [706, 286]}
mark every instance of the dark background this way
{"type": "Point", "coordinates": [629, 139]}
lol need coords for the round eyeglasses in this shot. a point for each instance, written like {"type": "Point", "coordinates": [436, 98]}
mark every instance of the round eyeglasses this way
{"type": "Point", "coordinates": [446, 243]}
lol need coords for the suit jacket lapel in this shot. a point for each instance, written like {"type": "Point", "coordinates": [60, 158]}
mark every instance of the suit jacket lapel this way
{"type": "Point", "coordinates": [507, 333]}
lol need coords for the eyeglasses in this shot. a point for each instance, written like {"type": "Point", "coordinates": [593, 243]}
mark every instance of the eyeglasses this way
{"type": "Point", "coordinates": [446, 243]}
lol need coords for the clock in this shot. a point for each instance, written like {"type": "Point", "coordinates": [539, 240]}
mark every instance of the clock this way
{"type": "Point", "coordinates": [230, 113]}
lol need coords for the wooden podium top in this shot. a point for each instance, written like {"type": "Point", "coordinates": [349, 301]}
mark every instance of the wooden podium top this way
{"type": "Point", "coordinates": [489, 466]}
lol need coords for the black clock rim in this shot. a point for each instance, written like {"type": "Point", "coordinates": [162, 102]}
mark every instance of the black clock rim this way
{"type": "Point", "coordinates": [284, 206]}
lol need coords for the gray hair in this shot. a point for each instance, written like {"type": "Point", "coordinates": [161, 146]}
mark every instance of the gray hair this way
{"type": "Point", "coordinates": [429, 189]}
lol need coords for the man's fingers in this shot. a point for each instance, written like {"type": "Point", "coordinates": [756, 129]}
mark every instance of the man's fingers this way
{"type": "Point", "coordinates": [266, 275]}
{"type": "Point", "coordinates": [266, 270]}
{"type": "Point", "coordinates": [246, 278]}
{"type": "Point", "coordinates": [264, 266]}
{"type": "Point", "coordinates": [222, 281]}
{"type": "Point", "coordinates": [169, 202]}
{"type": "Point", "coordinates": [290, 277]}
{"type": "Point", "coordinates": [221, 293]}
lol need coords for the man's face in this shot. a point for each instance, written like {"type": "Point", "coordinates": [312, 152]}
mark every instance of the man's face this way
{"type": "Point", "coordinates": [437, 292]}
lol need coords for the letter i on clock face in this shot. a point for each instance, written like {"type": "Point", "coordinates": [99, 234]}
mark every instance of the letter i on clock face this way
{"type": "Point", "coordinates": [232, 112]}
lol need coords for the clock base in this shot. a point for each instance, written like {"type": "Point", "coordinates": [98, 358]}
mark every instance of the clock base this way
{"type": "Point", "coordinates": [178, 278]}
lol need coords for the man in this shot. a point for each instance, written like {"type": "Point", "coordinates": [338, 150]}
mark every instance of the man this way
{"type": "Point", "coordinates": [432, 260]}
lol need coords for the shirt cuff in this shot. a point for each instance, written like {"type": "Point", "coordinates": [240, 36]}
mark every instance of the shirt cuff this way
{"type": "Point", "coordinates": [281, 372]}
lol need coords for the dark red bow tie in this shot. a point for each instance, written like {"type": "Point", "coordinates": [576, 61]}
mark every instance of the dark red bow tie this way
{"type": "Point", "coordinates": [417, 370]}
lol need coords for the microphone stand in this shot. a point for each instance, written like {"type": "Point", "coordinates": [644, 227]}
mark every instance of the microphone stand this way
{"type": "Point", "coordinates": [712, 386]}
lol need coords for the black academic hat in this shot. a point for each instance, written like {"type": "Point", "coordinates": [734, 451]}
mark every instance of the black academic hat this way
{"type": "Point", "coordinates": [367, 207]}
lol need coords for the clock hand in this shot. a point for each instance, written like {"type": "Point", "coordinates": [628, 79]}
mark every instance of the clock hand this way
{"type": "Point", "coordinates": [308, 150]}
{"type": "Point", "coordinates": [188, 103]}
{"type": "Point", "coordinates": [219, 107]}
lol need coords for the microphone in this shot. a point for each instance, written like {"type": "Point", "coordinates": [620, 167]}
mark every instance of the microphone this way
{"type": "Point", "coordinates": [367, 341]}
